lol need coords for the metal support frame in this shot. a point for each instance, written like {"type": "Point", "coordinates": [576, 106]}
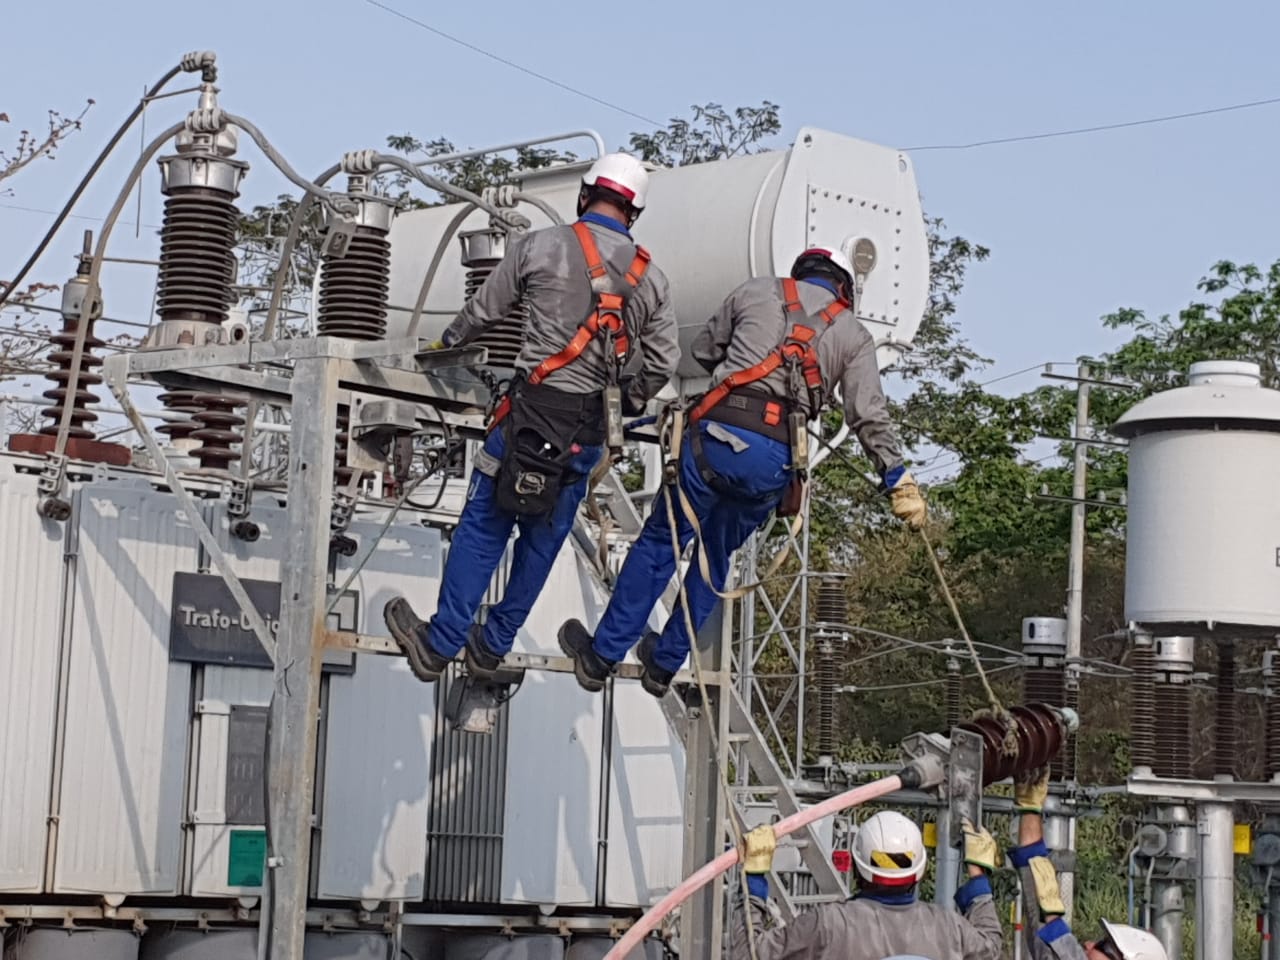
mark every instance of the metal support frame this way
{"type": "Point", "coordinates": [1215, 894]}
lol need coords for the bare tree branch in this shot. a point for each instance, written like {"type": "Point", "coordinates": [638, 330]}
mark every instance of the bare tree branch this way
{"type": "Point", "coordinates": [32, 146]}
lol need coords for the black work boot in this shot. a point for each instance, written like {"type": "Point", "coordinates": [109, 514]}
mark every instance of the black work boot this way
{"type": "Point", "coordinates": [482, 662]}
{"type": "Point", "coordinates": [410, 634]}
{"type": "Point", "coordinates": [655, 680]}
{"type": "Point", "coordinates": [591, 669]}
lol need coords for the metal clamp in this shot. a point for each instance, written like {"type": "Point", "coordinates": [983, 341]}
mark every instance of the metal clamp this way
{"type": "Point", "coordinates": [49, 485]}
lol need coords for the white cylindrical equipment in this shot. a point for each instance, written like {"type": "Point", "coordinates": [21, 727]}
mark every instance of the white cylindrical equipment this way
{"type": "Point", "coordinates": [711, 226]}
{"type": "Point", "coordinates": [1203, 517]}
{"type": "Point", "coordinates": [1215, 895]}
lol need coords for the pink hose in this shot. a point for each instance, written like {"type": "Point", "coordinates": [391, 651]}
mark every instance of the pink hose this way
{"type": "Point", "coordinates": [646, 924]}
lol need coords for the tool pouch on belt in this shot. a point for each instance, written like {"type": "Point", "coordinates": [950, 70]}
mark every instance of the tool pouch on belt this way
{"type": "Point", "coordinates": [533, 470]}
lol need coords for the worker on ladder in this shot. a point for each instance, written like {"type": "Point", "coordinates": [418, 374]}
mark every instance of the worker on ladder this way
{"type": "Point", "coordinates": [1048, 937]}
{"type": "Point", "coordinates": [776, 349]}
{"type": "Point", "coordinates": [884, 918]}
{"type": "Point", "coordinates": [600, 341]}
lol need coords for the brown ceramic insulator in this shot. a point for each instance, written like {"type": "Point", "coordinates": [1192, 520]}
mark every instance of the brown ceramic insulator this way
{"type": "Point", "coordinates": [505, 339]}
{"type": "Point", "coordinates": [81, 415]}
{"type": "Point", "coordinates": [197, 256]}
{"type": "Point", "coordinates": [1173, 746]}
{"type": "Point", "coordinates": [353, 289]}
{"type": "Point", "coordinates": [1038, 735]}
{"type": "Point", "coordinates": [219, 430]}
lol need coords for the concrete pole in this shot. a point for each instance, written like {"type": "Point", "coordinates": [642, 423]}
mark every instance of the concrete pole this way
{"type": "Point", "coordinates": [1215, 896]}
{"type": "Point", "coordinates": [1167, 909]}
{"type": "Point", "coordinates": [946, 871]}
{"type": "Point", "coordinates": [1075, 594]}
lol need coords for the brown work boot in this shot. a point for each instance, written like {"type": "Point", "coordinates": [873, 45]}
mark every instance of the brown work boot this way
{"type": "Point", "coordinates": [411, 634]}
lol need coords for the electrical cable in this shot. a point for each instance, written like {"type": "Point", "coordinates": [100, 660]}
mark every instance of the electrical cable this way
{"type": "Point", "coordinates": [430, 276]}
{"type": "Point", "coordinates": [1077, 131]}
{"type": "Point", "coordinates": [286, 252]}
{"type": "Point", "coordinates": [511, 63]}
{"type": "Point", "coordinates": [7, 291]}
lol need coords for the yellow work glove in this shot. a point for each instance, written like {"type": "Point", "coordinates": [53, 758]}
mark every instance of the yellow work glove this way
{"type": "Point", "coordinates": [758, 855]}
{"type": "Point", "coordinates": [907, 503]}
{"type": "Point", "coordinates": [1047, 893]}
{"type": "Point", "coordinates": [980, 847]}
{"type": "Point", "coordinates": [435, 345]}
{"type": "Point", "coordinates": [1029, 794]}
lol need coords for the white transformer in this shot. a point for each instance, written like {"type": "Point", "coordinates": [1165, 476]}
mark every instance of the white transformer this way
{"type": "Point", "coordinates": [1204, 518]}
{"type": "Point", "coordinates": [710, 227]}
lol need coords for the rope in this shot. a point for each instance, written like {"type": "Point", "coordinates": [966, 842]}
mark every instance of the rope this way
{"type": "Point", "coordinates": [996, 706]}
{"type": "Point", "coordinates": [696, 661]}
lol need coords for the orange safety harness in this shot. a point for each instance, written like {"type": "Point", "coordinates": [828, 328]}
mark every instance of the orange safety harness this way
{"type": "Point", "coordinates": [605, 318]}
{"type": "Point", "coordinates": [798, 347]}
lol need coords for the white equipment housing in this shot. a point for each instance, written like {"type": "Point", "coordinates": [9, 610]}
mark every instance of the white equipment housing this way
{"type": "Point", "coordinates": [1195, 454]}
{"type": "Point", "coordinates": [712, 226]}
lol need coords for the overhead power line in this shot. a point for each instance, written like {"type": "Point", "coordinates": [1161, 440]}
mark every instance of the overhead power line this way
{"type": "Point", "coordinates": [512, 64]}
{"type": "Point", "coordinates": [1098, 128]}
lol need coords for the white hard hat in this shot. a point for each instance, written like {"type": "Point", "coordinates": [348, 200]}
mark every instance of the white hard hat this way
{"type": "Point", "coordinates": [834, 254]}
{"type": "Point", "coordinates": [621, 173]}
{"type": "Point", "coordinates": [1134, 943]}
{"type": "Point", "coordinates": [889, 850]}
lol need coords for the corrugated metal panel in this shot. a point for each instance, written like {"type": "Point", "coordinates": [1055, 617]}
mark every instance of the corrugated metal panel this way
{"type": "Point", "coordinates": [127, 705]}
{"type": "Point", "coordinates": [554, 759]}
{"type": "Point", "coordinates": [468, 791]}
{"type": "Point", "coordinates": [31, 589]}
{"type": "Point", "coordinates": [464, 839]}
{"type": "Point", "coordinates": [373, 834]}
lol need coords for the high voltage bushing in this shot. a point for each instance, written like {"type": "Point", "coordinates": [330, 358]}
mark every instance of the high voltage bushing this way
{"type": "Point", "coordinates": [1142, 724]}
{"type": "Point", "coordinates": [482, 251]}
{"type": "Point", "coordinates": [356, 267]}
{"type": "Point", "coordinates": [1224, 732]}
{"type": "Point", "coordinates": [81, 441]}
{"type": "Point", "coordinates": [194, 290]}
{"type": "Point", "coordinates": [954, 688]}
{"type": "Point", "coordinates": [1044, 679]}
{"type": "Point", "coordinates": [1038, 731]}
{"type": "Point", "coordinates": [1174, 665]}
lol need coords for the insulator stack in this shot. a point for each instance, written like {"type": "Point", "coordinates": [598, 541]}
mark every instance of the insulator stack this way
{"type": "Point", "coordinates": [197, 257]}
{"type": "Point", "coordinates": [1272, 714]}
{"type": "Point", "coordinates": [1174, 664]}
{"type": "Point", "coordinates": [353, 288]}
{"type": "Point", "coordinates": [81, 442]}
{"type": "Point", "coordinates": [830, 626]}
{"type": "Point", "coordinates": [826, 699]}
{"type": "Point", "coordinates": [1044, 680]}
{"type": "Point", "coordinates": [1038, 733]}
{"type": "Point", "coordinates": [1224, 733]}
{"type": "Point", "coordinates": [482, 251]}
{"type": "Point", "coordinates": [219, 434]}
{"type": "Point", "coordinates": [61, 375]}
{"type": "Point", "coordinates": [179, 401]}
{"type": "Point", "coordinates": [833, 605]}
{"type": "Point", "coordinates": [954, 692]}
{"type": "Point", "coordinates": [1064, 766]}
{"type": "Point", "coordinates": [1142, 740]}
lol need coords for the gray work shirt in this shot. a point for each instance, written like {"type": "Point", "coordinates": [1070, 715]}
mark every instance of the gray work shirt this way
{"type": "Point", "coordinates": [752, 323]}
{"type": "Point", "coordinates": [547, 269]}
{"type": "Point", "coordinates": [864, 929]}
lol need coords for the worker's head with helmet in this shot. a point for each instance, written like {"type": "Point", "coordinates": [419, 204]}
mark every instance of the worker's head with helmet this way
{"type": "Point", "coordinates": [1119, 941]}
{"type": "Point", "coordinates": [888, 854]}
{"type": "Point", "coordinates": [826, 263]}
{"type": "Point", "coordinates": [618, 181]}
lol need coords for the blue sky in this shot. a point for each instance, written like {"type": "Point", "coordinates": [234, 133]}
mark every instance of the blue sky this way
{"type": "Point", "coordinates": [1077, 226]}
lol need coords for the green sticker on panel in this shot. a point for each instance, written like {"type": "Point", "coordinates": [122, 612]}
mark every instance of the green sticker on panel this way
{"type": "Point", "coordinates": [247, 858]}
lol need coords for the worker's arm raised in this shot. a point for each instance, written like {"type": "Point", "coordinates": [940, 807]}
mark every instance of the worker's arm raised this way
{"type": "Point", "coordinates": [1047, 935]}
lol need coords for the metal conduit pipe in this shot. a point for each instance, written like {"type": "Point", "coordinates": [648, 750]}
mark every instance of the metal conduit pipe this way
{"type": "Point", "coordinates": [516, 145]}
{"type": "Point", "coordinates": [1215, 898]}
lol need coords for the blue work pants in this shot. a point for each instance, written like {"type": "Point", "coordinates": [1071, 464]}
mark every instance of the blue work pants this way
{"type": "Point", "coordinates": [477, 546]}
{"type": "Point", "coordinates": [758, 476]}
